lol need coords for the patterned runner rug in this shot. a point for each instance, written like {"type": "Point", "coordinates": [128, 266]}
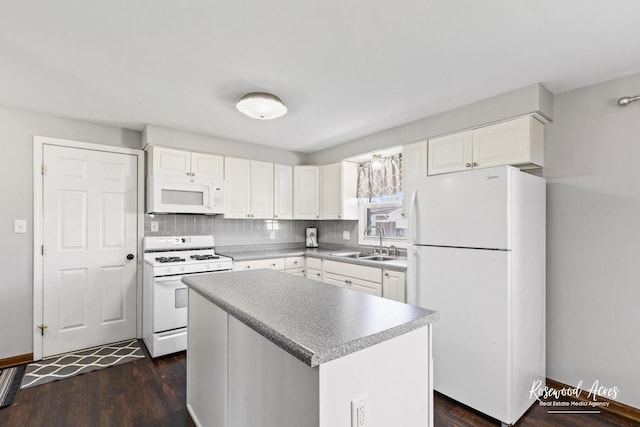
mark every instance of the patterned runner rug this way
{"type": "Point", "coordinates": [9, 384]}
{"type": "Point", "coordinates": [81, 362]}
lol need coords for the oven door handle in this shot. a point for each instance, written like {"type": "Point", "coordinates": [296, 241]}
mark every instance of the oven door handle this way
{"type": "Point", "coordinates": [169, 279]}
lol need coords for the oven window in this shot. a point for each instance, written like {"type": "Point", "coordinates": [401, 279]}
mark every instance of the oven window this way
{"type": "Point", "coordinates": [181, 197]}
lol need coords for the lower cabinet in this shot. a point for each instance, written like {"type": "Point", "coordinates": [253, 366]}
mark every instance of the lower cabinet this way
{"type": "Point", "coordinates": [357, 277]}
{"type": "Point", "coordinates": [313, 269]}
{"type": "Point", "coordinates": [394, 285]}
{"type": "Point", "coordinates": [292, 265]}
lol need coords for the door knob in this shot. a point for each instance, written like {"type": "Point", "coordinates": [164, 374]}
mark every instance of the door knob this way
{"type": "Point", "coordinates": [130, 257]}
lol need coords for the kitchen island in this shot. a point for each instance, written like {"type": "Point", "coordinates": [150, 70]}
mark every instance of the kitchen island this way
{"type": "Point", "coordinates": [269, 349]}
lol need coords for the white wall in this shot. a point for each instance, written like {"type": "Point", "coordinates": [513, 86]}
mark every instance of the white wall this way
{"type": "Point", "coordinates": [529, 99]}
{"type": "Point", "coordinates": [592, 153]}
{"type": "Point", "coordinates": [159, 135]}
{"type": "Point", "coordinates": [17, 129]}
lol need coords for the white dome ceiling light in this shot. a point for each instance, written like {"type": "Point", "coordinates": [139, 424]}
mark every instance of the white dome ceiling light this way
{"type": "Point", "coordinates": [261, 106]}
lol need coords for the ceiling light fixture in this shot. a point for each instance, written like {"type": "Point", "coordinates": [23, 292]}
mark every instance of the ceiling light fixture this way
{"type": "Point", "coordinates": [262, 106]}
{"type": "Point", "coordinates": [376, 162]}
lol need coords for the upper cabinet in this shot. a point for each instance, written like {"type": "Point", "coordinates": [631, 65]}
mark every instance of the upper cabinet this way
{"type": "Point", "coordinates": [249, 188]}
{"type": "Point", "coordinates": [517, 142]}
{"type": "Point", "coordinates": [169, 161]}
{"type": "Point", "coordinates": [282, 191]}
{"type": "Point", "coordinates": [306, 192]}
{"type": "Point", "coordinates": [339, 188]}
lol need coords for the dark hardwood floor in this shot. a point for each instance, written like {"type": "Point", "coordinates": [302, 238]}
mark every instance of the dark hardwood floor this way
{"type": "Point", "coordinates": [153, 393]}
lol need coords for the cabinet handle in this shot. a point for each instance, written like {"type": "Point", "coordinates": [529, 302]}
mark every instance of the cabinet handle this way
{"type": "Point", "coordinates": [468, 165]}
{"type": "Point", "coordinates": [386, 274]}
{"type": "Point", "coordinates": [188, 173]}
{"type": "Point", "coordinates": [275, 216]}
{"type": "Point", "coordinates": [475, 164]}
{"type": "Point", "coordinates": [248, 267]}
{"type": "Point", "coordinates": [273, 265]}
{"type": "Point", "coordinates": [339, 216]}
{"type": "Point", "coordinates": [318, 274]}
{"type": "Point", "coordinates": [317, 216]}
{"type": "Point", "coordinates": [193, 174]}
{"type": "Point", "coordinates": [295, 262]}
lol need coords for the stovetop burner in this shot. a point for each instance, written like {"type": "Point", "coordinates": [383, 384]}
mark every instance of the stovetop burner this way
{"type": "Point", "coordinates": [204, 257]}
{"type": "Point", "coordinates": [164, 259]}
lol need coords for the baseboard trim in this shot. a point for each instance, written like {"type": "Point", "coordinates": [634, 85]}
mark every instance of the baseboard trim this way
{"type": "Point", "coordinates": [16, 360]}
{"type": "Point", "coordinates": [616, 408]}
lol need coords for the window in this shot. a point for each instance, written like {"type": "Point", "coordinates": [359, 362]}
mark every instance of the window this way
{"type": "Point", "coordinates": [384, 212]}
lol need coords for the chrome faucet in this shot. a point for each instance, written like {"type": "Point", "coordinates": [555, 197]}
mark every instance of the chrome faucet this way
{"type": "Point", "coordinates": [380, 233]}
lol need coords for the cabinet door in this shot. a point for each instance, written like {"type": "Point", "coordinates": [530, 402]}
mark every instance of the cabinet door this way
{"type": "Point", "coordinates": [332, 191]}
{"type": "Point", "coordinates": [168, 161]}
{"type": "Point", "coordinates": [365, 286]}
{"type": "Point", "coordinates": [506, 143]}
{"type": "Point", "coordinates": [450, 153]}
{"type": "Point", "coordinates": [394, 285]}
{"type": "Point", "coordinates": [336, 279]}
{"type": "Point", "coordinates": [306, 192]}
{"type": "Point", "coordinates": [414, 165]}
{"type": "Point", "coordinates": [283, 192]}
{"type": "Point", "coordinates": [207, 166]}
{"type": "Point", "coordinates": [261, 189]}
{"type": "Point", "coordinates": [237, 184]}
{"type": "Point", "coordinates": [314, 274]}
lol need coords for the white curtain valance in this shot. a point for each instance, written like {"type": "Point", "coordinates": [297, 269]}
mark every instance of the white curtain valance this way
{"type": "Point", "coordinates": [385, 181]}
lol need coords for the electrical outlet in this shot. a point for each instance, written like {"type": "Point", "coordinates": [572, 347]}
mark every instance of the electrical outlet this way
{"type": "Point", "coordinates": [360, 411]}
{"type": "Point", "coordinates": [154, 226]}
{"type": "Point", "coordinates": [346, 235]}
{"type": "Point", "coordinates": [20, 226]}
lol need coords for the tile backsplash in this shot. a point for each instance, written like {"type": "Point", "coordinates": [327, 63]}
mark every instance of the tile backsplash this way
{"type": "Point", "coordinates": [232, 232]}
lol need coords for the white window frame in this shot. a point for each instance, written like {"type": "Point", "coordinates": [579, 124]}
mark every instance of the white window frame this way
{"type": "Point", "coordinates": [375, 240]}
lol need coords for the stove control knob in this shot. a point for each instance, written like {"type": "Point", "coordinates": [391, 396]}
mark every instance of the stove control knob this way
{"type": "Point", "coordinates": [130, 257]}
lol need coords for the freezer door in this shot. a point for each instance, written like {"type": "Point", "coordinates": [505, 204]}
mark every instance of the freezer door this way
{"type": "Point", "coordinates": [464, 209]}
{"type": "Point", "coordinates": [469, 288]}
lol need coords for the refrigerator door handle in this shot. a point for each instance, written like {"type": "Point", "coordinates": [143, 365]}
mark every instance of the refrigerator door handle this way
{"type": "Point", "coordinates": [412, 276]}
{"type": "Point", "coordinates": [413, 217]}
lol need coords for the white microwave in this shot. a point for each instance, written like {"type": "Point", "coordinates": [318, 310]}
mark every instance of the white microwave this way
{"type": "Point", "coordinates": [177, 194]}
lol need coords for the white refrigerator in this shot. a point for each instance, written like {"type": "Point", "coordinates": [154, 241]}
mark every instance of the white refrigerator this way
{"type": "Point", "coordinates": [477, 255]}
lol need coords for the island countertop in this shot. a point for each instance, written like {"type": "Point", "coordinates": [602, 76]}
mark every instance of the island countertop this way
{"type": "Point", "coordinates": [313, 321]}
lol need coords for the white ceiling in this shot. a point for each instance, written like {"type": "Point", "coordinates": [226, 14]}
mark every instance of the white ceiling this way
{"type": "Point", "coordinates": [345, 68]}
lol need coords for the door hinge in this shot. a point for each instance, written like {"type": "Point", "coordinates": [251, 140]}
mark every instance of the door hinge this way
{"type": "Point", "coordinates": [42, 169]}
{"type": "Point", "coordinates": [42, 328]}
{"type": "Point", "coordinates": [42, 250]}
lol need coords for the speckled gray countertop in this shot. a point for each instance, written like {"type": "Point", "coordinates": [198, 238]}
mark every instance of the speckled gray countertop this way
{"type": "Point", "coordinates": [315, 322]}
{"type": "Point", "coordinates": [250, 255]}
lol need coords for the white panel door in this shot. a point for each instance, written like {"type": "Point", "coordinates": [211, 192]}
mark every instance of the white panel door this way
{"type": "Point", "coordinates": [332, 191]}
{"type": "Point", "coordinates": [89, 229]}
{"type": "Point", "coordinates": [469, 288]}
{"type": "Point", "coordinates": [465, 209]}
{"type": "Point", "coordinates": [503, 143]}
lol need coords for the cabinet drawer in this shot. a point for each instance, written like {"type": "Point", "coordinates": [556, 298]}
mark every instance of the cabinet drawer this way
{"type": "Point", "coordinates": [273, 263]}
{"type": "Point", "coordinates": [294, 262]}
{"type": "Point", "coordinates": [298, 271]}
{"type": "Point", "coordinates": [314, 263]}
{"type": "Point", "coordinates": [371, 274]}
{"type": "Point", "coordinates": [336, 279]}
{"type": "Point", "coordinates": [366, 286]}
{"type": "Point", "coordinates": [314, 274]}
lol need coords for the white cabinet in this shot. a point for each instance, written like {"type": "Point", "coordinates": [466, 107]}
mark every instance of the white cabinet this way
{"type": "Point", "coordinates": [394, 285]}
{"type": "Point", "coordinates": [518, 142]}
{"type": "Point", "coordinates": [249, 188]}
{"type": "Point", "coordinates": [313, 269]}
{"type": "Point", "coordinates": [306, 192]}
{"type": "Point", "coordinates": [414, 165]}
{"type": "Point", "coordinates": [272, 263]}
{"type": "Point", "coordinates": [339, 188]}
{"type": "Point", "coordinates": [282, 191]}
{"type": "Point", "coordinates": [169, 161]}
{"type": "Point", "coordinates": [294, 265]}
{"type": "Point", "coordinates": [357, 277]}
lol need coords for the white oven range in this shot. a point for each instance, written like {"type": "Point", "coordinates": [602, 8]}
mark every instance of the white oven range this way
{"type": "Point", "coordinates": [167, 259]}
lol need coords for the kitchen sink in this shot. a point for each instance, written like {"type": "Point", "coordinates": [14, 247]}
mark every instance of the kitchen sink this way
{"type": "Point", "coordinates": [348, 254]}
{"type": "Point", "coordinates": [379, 258]}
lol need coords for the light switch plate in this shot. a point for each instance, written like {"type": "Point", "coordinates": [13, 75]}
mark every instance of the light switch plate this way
{"type": "Point", "coordinates": [346, 235]}
{"type": "Point", "coordinates": [19, 226]}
